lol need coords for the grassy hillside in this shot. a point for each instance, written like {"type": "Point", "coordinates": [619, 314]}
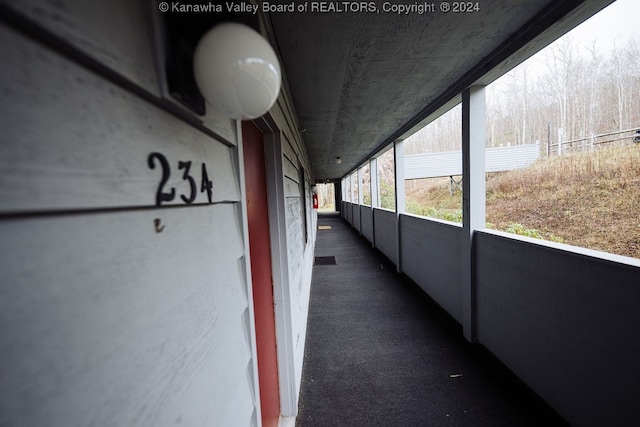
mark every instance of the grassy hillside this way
{"type": "Point", "coordinates": [587, 199]}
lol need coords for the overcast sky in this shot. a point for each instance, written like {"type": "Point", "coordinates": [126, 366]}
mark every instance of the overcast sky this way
{"type": "Point", "coordinates": [616, 24]}
{"type": "Point", "coordinates": [612, 27]}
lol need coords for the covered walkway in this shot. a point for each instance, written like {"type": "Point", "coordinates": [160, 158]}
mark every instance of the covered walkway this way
{"type": "Point", "coordinates": [380, 352]}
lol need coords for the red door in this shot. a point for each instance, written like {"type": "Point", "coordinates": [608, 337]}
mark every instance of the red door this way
{"type": "Point", "coordinates": [256, 187]}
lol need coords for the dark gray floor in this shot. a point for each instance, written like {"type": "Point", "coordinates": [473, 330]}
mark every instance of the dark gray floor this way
{"type": "Point", "coordinates": [381, 353]}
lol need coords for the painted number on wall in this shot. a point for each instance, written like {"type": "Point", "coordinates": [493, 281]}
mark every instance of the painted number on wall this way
{"type": "Point", "coordinates": [164, 194]}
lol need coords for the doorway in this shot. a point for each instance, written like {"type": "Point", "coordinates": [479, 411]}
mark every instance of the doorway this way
{"type": "Point", "coordinates": [260, 251]}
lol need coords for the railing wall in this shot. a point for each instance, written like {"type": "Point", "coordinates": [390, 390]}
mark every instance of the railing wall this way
{"type": "Point", "coordinates": [386, 233]}
{"type": "Point", "coordinates": [431, 252]}
{"type": "Point", "coordinates": [366, 222]}
{"type": "Point", "coordinates": [564, 319]}
{"type": "Point", "coordinates": [355, 217]}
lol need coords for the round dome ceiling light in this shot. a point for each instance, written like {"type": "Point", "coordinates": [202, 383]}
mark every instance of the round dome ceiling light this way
{"type": "Point", "coordinates": [237, 71]}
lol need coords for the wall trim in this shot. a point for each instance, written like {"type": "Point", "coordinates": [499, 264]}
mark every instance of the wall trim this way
{"type": "Point", "coordinates": [280, 270]}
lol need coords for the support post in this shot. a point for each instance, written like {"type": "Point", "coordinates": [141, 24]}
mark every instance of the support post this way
{"type": "Point", "coordinates": [375, 187]}
{"type": "Point", "coordinates": [353, 189]}
{"type": "Point", "coordinates": [360, 198]}
{"type": "Point", "coordinates": [398, 159]}
{"type": "Point", "coordinates": [473, 197]}
{"type": "Point", "coordinates": [343, 183]}
{"type": "Point", "coordinates": [375, 195]}
{"type": "Point", "coordinates": [360, 192]}
{"type": "Point", "coordinates": [344, 194]}
{"type": "Point", "coordinates": [398, 163]}
{"type": "Point", "coordinates": [337, 195]}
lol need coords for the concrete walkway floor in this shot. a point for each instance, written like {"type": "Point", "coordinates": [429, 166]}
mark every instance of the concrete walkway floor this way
{"type": "Point", "coordinates": [379, 352]}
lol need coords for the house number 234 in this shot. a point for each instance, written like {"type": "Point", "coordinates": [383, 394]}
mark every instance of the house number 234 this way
{"type": "Point", "coordinates": [164, 194]}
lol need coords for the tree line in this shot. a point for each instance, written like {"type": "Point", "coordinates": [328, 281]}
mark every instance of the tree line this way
{"type": "Point", "coordinates": [579, 89]}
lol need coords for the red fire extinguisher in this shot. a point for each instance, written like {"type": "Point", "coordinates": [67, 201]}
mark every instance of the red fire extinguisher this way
{"type": "Point", "coordinates": [315, 201]}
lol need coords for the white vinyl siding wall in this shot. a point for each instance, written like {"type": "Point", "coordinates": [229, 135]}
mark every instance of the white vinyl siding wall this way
{"type": "Point", "coordinates": [114, 311]}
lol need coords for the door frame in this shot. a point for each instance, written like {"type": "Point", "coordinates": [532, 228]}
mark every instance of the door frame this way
{"type": "Point", "coordinates": [262, 282]}
{"type": "Point", "coordinates": [285, 341]}
{"type": "Point", "coordinates": [280, 270]}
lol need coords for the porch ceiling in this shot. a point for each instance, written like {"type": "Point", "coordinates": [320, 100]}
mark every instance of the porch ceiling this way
{"type": "Point", "coordinates": [359, 81]}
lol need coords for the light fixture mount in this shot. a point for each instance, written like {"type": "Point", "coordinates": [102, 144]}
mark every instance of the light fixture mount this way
{"type": "Point", "coordinates": [178, 35]}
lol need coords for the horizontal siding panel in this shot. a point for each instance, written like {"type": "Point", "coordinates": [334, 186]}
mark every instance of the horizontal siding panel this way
{"type": "Point", "coordinates": [129, 51]}
{"type": "Point", "coordinates": [295, 244]}
{"type": "Point", "coordinates": [88, 146]}
{"type": "Point", "coordinates": [283, 115]}
{"type": "Point", "coordinates": [89, 27]}
{"type": "Point", "coordinates": [124, 337]}
{"type": "Point", "coordinates": [291, 188]}
{"type": "Point", "coordinates": [289, 148]}
{"type": "Point", "coordinates": [290, 170]}
{"type": "Point", "coordinates": [288, 151]}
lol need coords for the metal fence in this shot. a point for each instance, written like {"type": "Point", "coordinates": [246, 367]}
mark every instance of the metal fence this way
{"type": "Point", "coordinates": [594, 142]}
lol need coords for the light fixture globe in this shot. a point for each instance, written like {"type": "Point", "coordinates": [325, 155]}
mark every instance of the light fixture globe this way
{"type": "Point", "coordinates": [237, 71]}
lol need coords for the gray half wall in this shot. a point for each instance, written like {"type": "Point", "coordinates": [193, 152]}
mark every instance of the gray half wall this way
{"type": "Point", "coordinates": [356, 218]}
{"type": "Point", "coordinates": [431, 253]}
{"type": "Point", "coordinates": [565, 322]}
{"type": "Point", "coordinates": [386, 233]}
{"type": "Point", "coordinates": [366, 222]}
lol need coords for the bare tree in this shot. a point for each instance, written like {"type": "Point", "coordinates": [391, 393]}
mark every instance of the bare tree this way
{"type": "Point", "coordinates": [560, 58]}
{"type": "Point", "coordinates": [619, 84]}
{"type": "Point", "coordinates": [580, 89]}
